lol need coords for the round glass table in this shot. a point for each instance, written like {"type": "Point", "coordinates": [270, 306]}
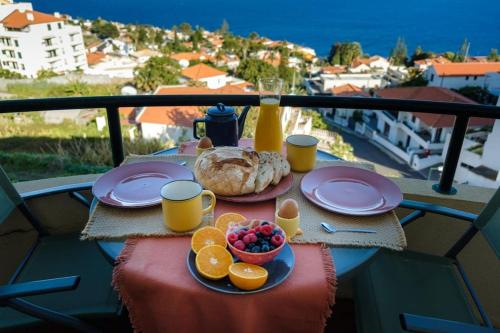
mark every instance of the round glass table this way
{"type": "Point", "coordinates": [347, 260]}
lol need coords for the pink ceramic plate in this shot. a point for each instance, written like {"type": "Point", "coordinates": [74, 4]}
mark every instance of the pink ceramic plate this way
{"type": "Point", "coordinates": [350, 191]}
{"type": "Point", "coordinates": [138, 184]}
{"type": "Point", "coordinates": [271, 192]}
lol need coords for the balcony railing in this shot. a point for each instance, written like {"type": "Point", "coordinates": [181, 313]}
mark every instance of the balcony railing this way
{"type": "Point", "coordinates": [462, 113]}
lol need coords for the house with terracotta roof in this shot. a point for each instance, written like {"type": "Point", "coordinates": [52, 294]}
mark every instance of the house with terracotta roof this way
{"type": "Point", "coordinates": [423, 64]}
{"type": "Point", "coordinates": [210, 76]}
{"type": "Point", "coordinates": [174, 123]}
{"type": "Point", "coordinates": [374, 63]}
{"type": "Point", "coordinates": [460, 74]}
{"type": "Point", "coordinates": [31, 41]}
{"type": "Point", "coordinates": [415, 137]}
{"type": "Point", "coordinates": [345, 117]}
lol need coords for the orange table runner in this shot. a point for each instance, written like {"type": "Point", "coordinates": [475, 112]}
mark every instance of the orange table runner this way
{"type": "Point", "coordinates": [160, 294]}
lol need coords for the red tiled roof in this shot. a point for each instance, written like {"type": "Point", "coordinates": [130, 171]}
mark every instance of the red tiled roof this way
{"type": "Point", "coordinates": [201, 71]}
{"type": "Point", "coordinates": [187, 56]}
{"type": "Point", "coordinates": [19, 20]}
{"type": "Point", "coordinates": [334, 69]}
{"type": "Point", "coordinates": [433, 61]}
{"type": "Point", "coordinates": [95, 57]}
{"type": "Point", "coordinates": [181, 115]}
{"type": "Point", "coordinates": [349, 90]}
{"type": "Point", "coordinates": [466, 68]}
{"type": "Point", "coordinates": [435, 94]}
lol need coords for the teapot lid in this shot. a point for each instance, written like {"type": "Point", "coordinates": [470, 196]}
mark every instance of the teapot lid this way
{"type": "Point", "coordinates": [220, 110]}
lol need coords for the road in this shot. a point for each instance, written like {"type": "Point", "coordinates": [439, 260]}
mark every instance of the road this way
{"type": "Point", "coordinates": [385, 164]}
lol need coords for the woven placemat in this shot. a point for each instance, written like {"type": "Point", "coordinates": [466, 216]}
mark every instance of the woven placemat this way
{"type": "Point", "coordinates": [389, 233]}
{"type": "Point", "coordinates": [108, 222]}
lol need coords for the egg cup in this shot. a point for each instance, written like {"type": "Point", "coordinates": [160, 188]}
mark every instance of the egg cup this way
{"type": "Point", "coordinates": [289, 226]}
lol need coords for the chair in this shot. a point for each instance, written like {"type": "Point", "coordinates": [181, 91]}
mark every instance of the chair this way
{"type": "Point", "coordinates": [416, 292]}
{"type": "Point", "coordinates": [62, 280]}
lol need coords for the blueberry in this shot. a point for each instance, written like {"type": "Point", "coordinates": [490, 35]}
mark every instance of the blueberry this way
{"type": "Point", "coordinates": [264, 223]}
{"type": "Point", "coordinates": [275, 231]}
{"type": "Point", "coordinates": [258, 234]}
{"type": "Point", "coordinates": [271, 247]}
{"type": "Point", "coordinates": [265, 248]}
{"type": "Point", "coordinates": [248, 249]}
{"type": "Point", "coordinates": [250, 245]}
{"type": "Point", "coordinates": [256, 249]}
{"type": "Point", "coordinates": [244, 229]}
{"type": "Point", "coordinates": [264, 242]}
{"type": "Point", "coordinates": [267, 238]}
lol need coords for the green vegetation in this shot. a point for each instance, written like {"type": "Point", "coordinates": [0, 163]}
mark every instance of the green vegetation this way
{"type": "Point", "coordinates": [253, 69]}
{"type": "Point", "coordinates": [462, 52]}
{"type": "Point", "coordinates": [104, 29]}
{"type": "Point", "coordinates": [45, 74]}
{"type": "Point", "coordinates": [41, 89]}
{"type": "Point", "coordinates": [478, 149]}
{"type": "Point", "coordinates": [6, 74]}
{"type": "Point", "coordinates": [344, 53]}
{"type": "Point", "coordinates": [493, 56]}
{"type": "Point", "coordinates": [399, 52]}
{"type": "Point", "coordinates": [478, 94]}
{"type": "Point", "coordinates": [342, 149]}
{"type": "Point", "coordinates": [415, 79]}
{"type": "Point", "coordinates": [157, 71]}
{"type": "Point", "coordinates": [420, 54]}
{"type": "Point", "coordinates": [317, 120]}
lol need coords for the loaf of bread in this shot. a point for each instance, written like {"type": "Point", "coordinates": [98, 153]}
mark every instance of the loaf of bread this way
{"type": "Point", "coordinates": [227, 171]}
{"type": "Point", "coordinates": [231, 171]}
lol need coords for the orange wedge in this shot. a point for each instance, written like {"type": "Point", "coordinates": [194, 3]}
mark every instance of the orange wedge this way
{"type": "Point", "coordinates": [207, 236]}
{"type": "Point", "coordinates": [247, 276]}
{"type": "Point", "coordinates": [225, 220]}
{"type": "Point", "coordinates": [213, 262]}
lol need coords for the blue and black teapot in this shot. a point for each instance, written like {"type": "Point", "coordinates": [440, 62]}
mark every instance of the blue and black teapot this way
{"type": "Point", "coordinates": [222, 125]}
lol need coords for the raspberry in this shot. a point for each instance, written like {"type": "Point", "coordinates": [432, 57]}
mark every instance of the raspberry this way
{"type": "Point", "coordinates": [251, 231]}
{"type": "Point", "coordinates": [231, 238]}
{"type": "Point", "coordinates": [239, 245]}
{"type": "Point", "coordinates": [241, 234]}
{"type": "Point", "coordinates": [277, 240]}
{"type": "Point", "coordinates": [253, 238]}
{"type": "Point", "coordinates": [247, 238]}
{"type": "Point", "coordinates": [257, 228]}
{"type": "Point", "coordinates": [266, 230]}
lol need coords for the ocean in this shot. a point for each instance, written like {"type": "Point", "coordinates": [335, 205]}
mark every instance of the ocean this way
{"type": "Point", "coordinates": [437, 25]}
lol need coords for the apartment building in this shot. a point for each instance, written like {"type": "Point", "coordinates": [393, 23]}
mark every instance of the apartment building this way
{"type": "Point", "coordinates": [31, 41]}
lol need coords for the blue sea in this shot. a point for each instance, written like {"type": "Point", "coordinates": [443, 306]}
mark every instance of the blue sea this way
{"type": "Point", "coordinates": [437, 25]}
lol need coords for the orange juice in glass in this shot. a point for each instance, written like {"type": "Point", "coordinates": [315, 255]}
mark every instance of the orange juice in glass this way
{"type": "Point", "coordinates": [268, 133]}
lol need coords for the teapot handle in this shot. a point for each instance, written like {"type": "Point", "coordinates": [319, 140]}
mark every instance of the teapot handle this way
{"type": "Point", "coordinates": [196, 121]}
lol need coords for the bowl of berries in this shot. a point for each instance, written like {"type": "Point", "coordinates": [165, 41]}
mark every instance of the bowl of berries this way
{"type": "Point", "coordinates": [255, 241]}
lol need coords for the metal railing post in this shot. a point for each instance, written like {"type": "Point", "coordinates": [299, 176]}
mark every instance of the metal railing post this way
{"type": "Point", "coordinates": [452, 156]}
{"type": "Point", "coordinates": [115, 135]}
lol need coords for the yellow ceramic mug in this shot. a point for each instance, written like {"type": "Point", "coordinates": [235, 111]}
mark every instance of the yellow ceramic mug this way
{"type": "Point", "coordinates": [301, 152]}
{"type": "Point", "coordinates": [182, 204]}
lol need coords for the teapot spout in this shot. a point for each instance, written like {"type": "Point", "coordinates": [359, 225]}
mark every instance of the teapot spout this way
{"type": "Point", "coordinates": [241, 120]}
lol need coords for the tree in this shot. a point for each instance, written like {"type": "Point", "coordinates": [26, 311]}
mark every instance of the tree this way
{"type": "Point", "coordinates": [461, 55]}
{"type": "Point", "coordinates": [344, 53]}
{"type": "Point", "coordinates": [224, 28]}
{"type": "Point", "coordinates": [253, 35]}
{"type": "Point", "coordinates": [493, 56]}
{"type": "Point", "coordinates": [449, 55]}
{"type": "Point", "coordinates": [399, 52]}
{"type": "Point", "coordinates": [45, 74]}
{"type": "Point", "coordinates": [142, 36]}
{"type": "Point", "coordinates": [157, 71]}
{"type": "Point", "coordinates": [253, 69]}
{"type": "Point", "coordinates": [104, 29]}
{"type": "Point", "coordinates": [478, 94]}
{"type": "Point", "coordinates": [419, 54]}
{"type": "Point", "coordinates": [284, 72]}
{"type": "Point", "coordinates": [159, 37]}
{"type": "Point", "coordinates": [185, 28]}
{"type": "Point", "coordinates": [6, 74]}
{"type": "Point", "coordinates": [197, 38]}
{"type": "Point", "coordinates": [415, 79]}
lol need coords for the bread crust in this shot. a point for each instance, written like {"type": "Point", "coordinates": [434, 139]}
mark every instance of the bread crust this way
{"type": "Point", "coordinates": [227, 171]}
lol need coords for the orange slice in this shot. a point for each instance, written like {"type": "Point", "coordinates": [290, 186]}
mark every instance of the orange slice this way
{"type": "Point", "coordinates": [213, 262]}
{"type": "Point", "coordinates": [226, 219]}
{"type": "Point", "coordinates": [207, 236]}
{"type": "Point", "coordinates": [247, 276]}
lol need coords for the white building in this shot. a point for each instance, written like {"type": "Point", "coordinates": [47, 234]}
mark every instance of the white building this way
{"type": "Point", "coordinates": [492, 83]}
{"type": "Point", "coordinates": [31, 41]}
{"type": "Point", "coordinates": [479, 162]}
{"type": "Point", "coordinates": [372, 64]}
{"type": "Point", "coordinates": [364, 81]}
{"type": "Point", "coordinates": [458, 75]}
{"type": "Point", "coordinates": [211, 77]}
{"type": "Point", "coordinates": [111, 66]}
{"type": "Point", "coordinates": [418, 138]}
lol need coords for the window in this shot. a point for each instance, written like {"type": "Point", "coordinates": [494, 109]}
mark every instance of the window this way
{"type": "Point", "coordinates": [12, 54]}
{"type": "Point", "coordinates": [19, 55]}
{"type": "Point", "coordinates": [14, 64]}
{"type": "Point", "coordinates": [432, 77]}
{"type": "Point", "coordinates": [59, 25]}
{"type": "Point", "coordinates": [467, 77]}
{"type": "Point", "coordinates": [413, 119]}
{"type": "Point", "coordinates": [16, 43]}
{"type": "Point", "coordinates": [52, 53]}
{"type": "Point", "coordinates": [22, 67]}
{"type": "Point", "coordinates": [48, 41]}
{"type": "Point", "coordinates": [475, 77]}
{"type": "Point", "coordinates": [49, 27]}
